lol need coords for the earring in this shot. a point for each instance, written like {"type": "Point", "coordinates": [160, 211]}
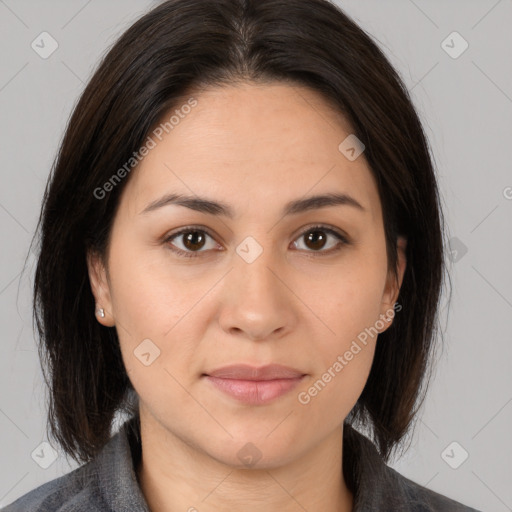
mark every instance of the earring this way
{"type": "Point", "coordinates": [100, 312]}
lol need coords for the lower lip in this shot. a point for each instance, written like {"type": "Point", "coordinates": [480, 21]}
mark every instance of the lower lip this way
{"type": "Point", "coordinates": [254, 392]}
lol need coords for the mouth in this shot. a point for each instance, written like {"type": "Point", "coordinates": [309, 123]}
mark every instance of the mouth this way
{"type": "Point", "coordinates": [255, 385]}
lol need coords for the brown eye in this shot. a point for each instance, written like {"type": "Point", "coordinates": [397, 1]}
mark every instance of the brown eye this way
{"type": "Point", "coordinates": [192, 241]}
{"type": "Point", "coordinates": [316, 238]}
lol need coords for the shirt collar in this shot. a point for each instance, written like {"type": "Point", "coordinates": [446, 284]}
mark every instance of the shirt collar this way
{"type": "Point", "coordinates": [116, 470]}
{"type": "Point", "coordinates": [374, 485]}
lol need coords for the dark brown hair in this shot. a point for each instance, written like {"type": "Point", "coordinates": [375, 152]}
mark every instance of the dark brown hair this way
{"type": "Point", "coordinates": [180, 47]}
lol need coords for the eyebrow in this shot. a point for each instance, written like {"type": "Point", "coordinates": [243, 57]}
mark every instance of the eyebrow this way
{"type": "Point", "coordinates": [211, 207]}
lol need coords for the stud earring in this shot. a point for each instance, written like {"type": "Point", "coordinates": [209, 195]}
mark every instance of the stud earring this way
{"type": "Point", "coordinates": [101, 312]}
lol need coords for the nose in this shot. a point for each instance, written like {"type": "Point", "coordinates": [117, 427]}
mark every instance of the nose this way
{"type": "Point", "coordinates": [257, 301]}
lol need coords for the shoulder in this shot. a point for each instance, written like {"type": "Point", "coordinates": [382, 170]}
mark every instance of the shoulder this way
{"type": "Point", "coordinates": [73, 492]}
{"type": "Point", "coordinates": [108, 482]}
{"type": "Point", "coordinates": [378, 487]}
{"type": "Point", "coordinates": [421, 499]}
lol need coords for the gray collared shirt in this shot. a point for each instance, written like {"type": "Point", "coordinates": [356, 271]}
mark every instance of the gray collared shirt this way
{"type": "Point", "coordinates": [109, 482]}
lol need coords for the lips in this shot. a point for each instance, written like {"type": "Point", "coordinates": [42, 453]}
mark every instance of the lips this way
{"type": "Point", "coordinates": [255, 385]}
{"type": "Point", "coordinates": [247, 372]}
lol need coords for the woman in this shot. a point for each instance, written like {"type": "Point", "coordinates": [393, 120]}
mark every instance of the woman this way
{"type": "Point", "coordinates": [242, 250]}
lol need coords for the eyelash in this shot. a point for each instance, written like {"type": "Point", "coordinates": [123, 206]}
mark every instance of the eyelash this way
{"type": "Point", "coordinates": [191, 254]}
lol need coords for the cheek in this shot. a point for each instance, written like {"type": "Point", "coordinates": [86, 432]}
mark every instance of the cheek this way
{"type": "Point", "coordinates": [346, 349]}
{"type": "Point", "coordinates": [150, 313]}
{"type": "Point", "coordinates": [147, 299]}
{"type": "Point", "coordinates": [349, 305]}
{"type": "Point", "coordinates": [332, 391]}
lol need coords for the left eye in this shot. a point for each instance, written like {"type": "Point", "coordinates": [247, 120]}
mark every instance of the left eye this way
{"type": "Point", "coordinates": [193, 240]}
{"type": "Point", "coordinates": [316, 237]}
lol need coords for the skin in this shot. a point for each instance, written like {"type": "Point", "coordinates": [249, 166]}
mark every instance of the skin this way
{"type": "Point", "coordinates": [254, 147]}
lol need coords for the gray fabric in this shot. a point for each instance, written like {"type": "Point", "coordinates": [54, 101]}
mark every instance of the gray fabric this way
{"type": "Point", "coordinates": [109, 483]}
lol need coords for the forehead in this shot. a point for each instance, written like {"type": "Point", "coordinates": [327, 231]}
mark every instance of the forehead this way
{"type": "Point", "coordinates": [250, 143]}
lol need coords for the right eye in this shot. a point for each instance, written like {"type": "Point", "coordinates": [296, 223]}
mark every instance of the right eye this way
{"type": "Point", "coordinates": [192, 240]}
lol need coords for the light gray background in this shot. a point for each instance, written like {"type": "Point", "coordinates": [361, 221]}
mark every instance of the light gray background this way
{"type": "Point", "coordinates": [466, 106]}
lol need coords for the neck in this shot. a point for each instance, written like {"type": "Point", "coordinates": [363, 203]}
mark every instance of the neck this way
{"type": "Point", "coordinates": [175, 475]}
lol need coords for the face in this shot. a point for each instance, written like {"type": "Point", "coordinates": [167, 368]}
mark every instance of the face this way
{"type": "Point", "coordinates": [192, 290]}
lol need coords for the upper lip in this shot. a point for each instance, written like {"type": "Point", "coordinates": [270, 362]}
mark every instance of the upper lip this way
{"type": "Point", "coordinates": [248, 372]}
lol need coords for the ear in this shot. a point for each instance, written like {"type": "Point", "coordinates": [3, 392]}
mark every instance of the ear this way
{"type": "Point", "coordinates": [100, 287]}
{"type": "Point", "coordinates": [393, 285]}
